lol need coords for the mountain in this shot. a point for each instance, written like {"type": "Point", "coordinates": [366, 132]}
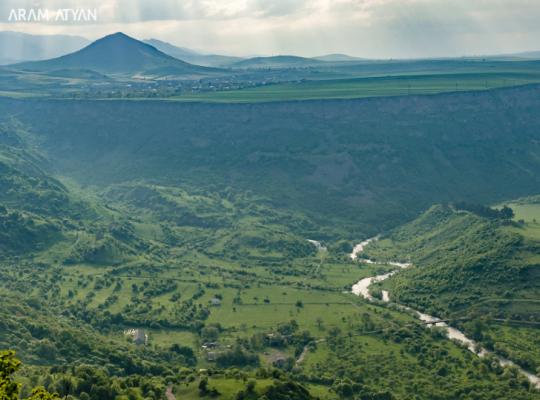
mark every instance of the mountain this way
{"type": "Point", "coordinates": [337, 58]}
{"type": "Point", "coordinates": [18, 46]}
{"type": "Point", "coordinates": [283, 61]}
{"type": "Point", "coordinates": [118, 54]}
{"type": "Point", "coordinates": [533, 55]}
{"type": "Point", "coordinates": [170, 49]}
{"type": "Point", "coordinates": [192, 56]}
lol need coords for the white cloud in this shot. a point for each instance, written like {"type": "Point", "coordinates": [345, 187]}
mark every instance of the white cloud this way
{"type": "Point", "coordinates": [371, 28]}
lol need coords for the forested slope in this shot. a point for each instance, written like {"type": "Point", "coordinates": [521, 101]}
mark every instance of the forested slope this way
{"type": "Point", "coordinates": [460, 258]}
{"type": "Point", "coordinates": [483, 273]}
{"type": "Point", "coordinates": [371, 163]}
{"type": "Point", "coordinates": [191, 222]}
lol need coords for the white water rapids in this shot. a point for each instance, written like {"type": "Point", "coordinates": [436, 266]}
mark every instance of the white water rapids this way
{"type": "Point", "coordinates": [361, 288]}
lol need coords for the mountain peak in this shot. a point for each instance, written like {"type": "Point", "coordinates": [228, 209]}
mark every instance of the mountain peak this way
{"type": "Point", "coordinates": [118, 39]}
{"type": "Point", "coordinates": [119, 53]}
{"type": "Point", "coordinates": [118, 36]}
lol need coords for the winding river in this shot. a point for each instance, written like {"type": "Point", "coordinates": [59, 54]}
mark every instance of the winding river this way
{"type": "Point", "coordinates": [361, 288]}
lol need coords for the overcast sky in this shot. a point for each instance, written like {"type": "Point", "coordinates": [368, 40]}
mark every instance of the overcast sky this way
{"type": "Point", "coordinates": [366, 28]}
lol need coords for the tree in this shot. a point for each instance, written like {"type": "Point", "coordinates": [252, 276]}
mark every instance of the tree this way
{"type": "Point", "coordinates": [287, 391]}
{"type": "Point", "coordinates": [250, 387]}
{"type": "Point", "coordinates": [65, 386]}
{"type": "Point", "coordinates": [210, 333]}
{"type": "Point", "coordinates": [40, 393]}
{"type": "Point", "coordinates": [506, 213]}
{"type": "Point", "coordinates": [203, 386]}
{"type": "Point", "coordinates": [236, 357]}
{"type": "Point", "coordinates": [46, 349]}
{"type": "Point", "coordinates": [185, 351]}
{"type": "Point", "coordinates": [9, 390]}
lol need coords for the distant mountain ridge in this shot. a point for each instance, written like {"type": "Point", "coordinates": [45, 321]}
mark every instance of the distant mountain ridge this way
{"type": "Point", "coordinates": [281, 61]}
{"type": "Point", "coordinates": [338, 57]}
{"type": "Point", "coordinates": [118, 53]}
{"type": "Point", "coordinates": [19, 47]}
{"type": "Point", "coordinates": [533, 55]}
{"type": "Point", "coordinates": [192, 56]}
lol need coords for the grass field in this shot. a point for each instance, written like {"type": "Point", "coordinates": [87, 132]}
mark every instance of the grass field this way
{"type": "Point", "coordinates": [528, 211]}
{"type": "Point", "coordinates": [229, 387]}
{"type": "Point", "coordinates": [368, 87]}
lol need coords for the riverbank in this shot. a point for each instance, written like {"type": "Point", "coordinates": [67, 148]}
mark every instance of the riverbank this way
{"type": "Point", "coordinates": [361, 288]}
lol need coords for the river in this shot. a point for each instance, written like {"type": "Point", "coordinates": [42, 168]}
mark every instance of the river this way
{"type": "Point", "coordinates": [361, 288]}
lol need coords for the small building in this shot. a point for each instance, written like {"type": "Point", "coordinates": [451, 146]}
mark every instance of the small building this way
{"type": "Point", "coordinates": [140, 337]}
{"type": "Point", "coordinates": [215, 302]}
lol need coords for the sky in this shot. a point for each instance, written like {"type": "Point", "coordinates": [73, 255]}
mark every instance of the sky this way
{"type": "Point", "coordinates": [364, 28]}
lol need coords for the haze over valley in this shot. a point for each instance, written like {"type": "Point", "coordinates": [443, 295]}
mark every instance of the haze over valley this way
{"type": "Point", "coordinates": [184, 223]}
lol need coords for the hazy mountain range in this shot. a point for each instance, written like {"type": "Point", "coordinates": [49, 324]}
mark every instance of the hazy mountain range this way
{"type": "Point", "coordinates": [17, 46]}
{"type": "Point", "coordinates": [119, 53]}
{"type": "Point", "coordinates": [192, 56]}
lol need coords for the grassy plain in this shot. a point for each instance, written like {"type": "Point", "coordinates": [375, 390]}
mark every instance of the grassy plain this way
{"type": "Point", "coordinates": [367, 87]}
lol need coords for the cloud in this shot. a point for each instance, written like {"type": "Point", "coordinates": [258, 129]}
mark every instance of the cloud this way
{"type": "Point", "coordinates": [130, 11]}
{"type": "Point", "coordinates": [273, 8]}
{"type": "Point", "coordinates": [370, 28]}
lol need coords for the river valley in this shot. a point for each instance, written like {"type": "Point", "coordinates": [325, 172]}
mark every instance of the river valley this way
{"type": "Point", "coordinates": [361, 288]}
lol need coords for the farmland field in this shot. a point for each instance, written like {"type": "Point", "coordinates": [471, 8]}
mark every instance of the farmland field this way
{"type": "Point", "coordinates": [402, 85]}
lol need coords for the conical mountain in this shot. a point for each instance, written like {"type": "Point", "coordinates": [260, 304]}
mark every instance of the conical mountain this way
{"type": "Point", "coordinates": [118, 53]}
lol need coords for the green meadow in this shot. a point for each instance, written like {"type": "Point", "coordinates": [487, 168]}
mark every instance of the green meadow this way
{"type": "Point", "coordinates": [401, 85]}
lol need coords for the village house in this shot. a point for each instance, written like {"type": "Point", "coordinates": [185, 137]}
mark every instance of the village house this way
{"type": "Point", "coordinates": [215, 302]}
{"type": "Point", "coordinates": [140, 337]}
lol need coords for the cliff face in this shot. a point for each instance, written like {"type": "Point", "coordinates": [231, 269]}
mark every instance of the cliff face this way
{"type": "Point", "coordinates": [372, 162]}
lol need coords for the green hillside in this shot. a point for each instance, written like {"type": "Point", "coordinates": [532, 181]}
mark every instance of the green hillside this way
{"type": "Point", "coordinates": [195, 266]}
{"type": "Point", "coordinates": [461, 260]}
{"type": "Point", "coordinates": [352, 161]}
{"type": "Point", "coordinates": [481, 272]}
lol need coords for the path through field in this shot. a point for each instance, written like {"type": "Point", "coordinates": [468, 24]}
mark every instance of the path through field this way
{"type": "Point", "coordinates": [169, 393]}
